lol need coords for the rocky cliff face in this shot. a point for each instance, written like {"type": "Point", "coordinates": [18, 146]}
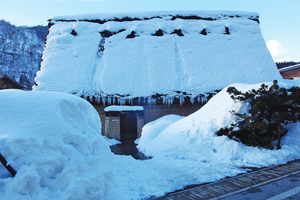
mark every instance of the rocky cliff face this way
{"type": "Point", "coordinates": [21, 50]}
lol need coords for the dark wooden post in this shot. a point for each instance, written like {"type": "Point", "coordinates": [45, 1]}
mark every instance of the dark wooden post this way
{"type": "Point", "coordinates": [8, 167]}
{"type": "Point", "coordinates": [278, 135]}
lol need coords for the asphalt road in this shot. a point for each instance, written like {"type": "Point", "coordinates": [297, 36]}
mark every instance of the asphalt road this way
{"type": "Point", "coordinates": [271, 183]}
{"type": "Point", "coordinates": [286, 188]}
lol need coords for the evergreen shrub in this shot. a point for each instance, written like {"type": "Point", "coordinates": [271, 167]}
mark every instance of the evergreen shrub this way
{"type": "Point", "coordinates": [271, 108]}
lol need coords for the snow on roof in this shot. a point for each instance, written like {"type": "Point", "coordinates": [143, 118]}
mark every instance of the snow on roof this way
{"type": "Point", "coordinates": [169, 15]}
{"type": "Point", "coordinates": [171, 54]}
{"type": "Point", "coordinates": [123, 108]}
{"type": "Point", "coordinates": [284, 69]}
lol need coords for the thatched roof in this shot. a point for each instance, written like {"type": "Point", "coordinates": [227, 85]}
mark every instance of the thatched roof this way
{"type": "Point", "coordinates": [161, 54]}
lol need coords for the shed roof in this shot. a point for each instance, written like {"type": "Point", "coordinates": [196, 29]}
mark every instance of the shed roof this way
{"type": "Point", "coordinates": [123, 108]}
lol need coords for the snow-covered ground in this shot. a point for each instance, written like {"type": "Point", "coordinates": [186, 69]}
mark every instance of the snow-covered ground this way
{"type": "Point", "coordinates": [53, 141]}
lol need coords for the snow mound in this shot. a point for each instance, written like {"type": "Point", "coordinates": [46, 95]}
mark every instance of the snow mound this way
{"type": "Point", "coordinates": [152, 129]}
{"type": "Point", "coordinates": [193, 137]}
{"type": "Point", "coordinates": [53, 141]}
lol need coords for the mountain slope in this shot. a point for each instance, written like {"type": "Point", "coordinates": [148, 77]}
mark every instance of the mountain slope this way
{"type": "Point", "coordinates": [21, 50]}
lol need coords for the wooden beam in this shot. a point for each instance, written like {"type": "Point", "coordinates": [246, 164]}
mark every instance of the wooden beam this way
{"type": "Point", "coordinates": [8, 167]}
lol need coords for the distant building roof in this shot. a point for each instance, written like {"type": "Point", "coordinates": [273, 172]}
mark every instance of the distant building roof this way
{"type": "Point", "coordinates": [11, 81]}
{"type": "Point", "coordinates": [284, 69]}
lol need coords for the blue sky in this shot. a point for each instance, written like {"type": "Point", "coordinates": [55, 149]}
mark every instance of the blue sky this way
{"type": "Point", "coordinates": [280, 20]}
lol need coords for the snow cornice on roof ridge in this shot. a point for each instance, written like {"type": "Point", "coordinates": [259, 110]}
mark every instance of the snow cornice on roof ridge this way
{"type": "Point", "coordinates": [102, 18]}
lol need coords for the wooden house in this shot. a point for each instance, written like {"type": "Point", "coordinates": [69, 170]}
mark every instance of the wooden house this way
{"type": "Point", "coordinates": [290, 72]}
{"type": "Point", "coordinates": [8, 83]}
{"type": "Point", "coordinates": [158, 63]}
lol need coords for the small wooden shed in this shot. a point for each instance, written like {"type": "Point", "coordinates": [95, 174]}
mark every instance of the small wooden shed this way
{"type": "Point", "coordinates": [124, 122]}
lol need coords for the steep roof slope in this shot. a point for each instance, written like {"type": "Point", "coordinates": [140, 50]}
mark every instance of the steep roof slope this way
{"type": "Point", "coordinates": [128, 55]}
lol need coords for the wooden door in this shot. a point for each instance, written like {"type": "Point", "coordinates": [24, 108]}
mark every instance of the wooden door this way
{"type": "Point", "coordinates": [128, 126]}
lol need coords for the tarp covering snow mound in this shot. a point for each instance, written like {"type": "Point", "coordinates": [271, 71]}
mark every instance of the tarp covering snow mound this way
{"type": "Point", "coordinates": [128, 55]}
{"type": "Point", "coordinates": [193, 137]}
{"type": "Point", "coordinates": [53, 141]}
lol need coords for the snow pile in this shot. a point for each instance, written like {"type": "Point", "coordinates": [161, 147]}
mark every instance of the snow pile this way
{"type": "Point", "coordinates": [193, 137]}
{"type": "Point", "coordinates": [111, 142]}
{"type": "Point", "coordinates": [53, 141]}
{"type": "Point", "coordinates": [152, 129]}
{"type": "Point", "coordinates": [159, 53]}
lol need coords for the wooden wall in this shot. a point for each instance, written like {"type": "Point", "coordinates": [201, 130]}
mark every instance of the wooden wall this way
{"type": "Point", "coordinates": [291, 74]}
{"type": "Point", "coordinates": [151, 113]}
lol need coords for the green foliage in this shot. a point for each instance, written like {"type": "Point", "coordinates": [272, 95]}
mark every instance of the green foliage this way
{"type": "Point", "coordinates": [270, 109]}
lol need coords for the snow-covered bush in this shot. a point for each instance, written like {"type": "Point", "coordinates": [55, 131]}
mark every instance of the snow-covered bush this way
{"type": "Point", "coordinates": [194, 137]}
{"type": "Point", "coordinates": [271, 108]}
{"type": "Point", "coordinates": [53, 141]}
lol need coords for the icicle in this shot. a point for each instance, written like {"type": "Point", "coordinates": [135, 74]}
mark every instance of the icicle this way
{"type": "Point", "coordinates": [109, 101]}
{"type": "Point", "coordinates": [114, 100]}
{"type": "Point", "coordinates": [149, 101]}
{"type": "Point", "coordinates": [204, 100]}
{"type": "Point", "coordinates": [97, 99]}
{"type": "Point", "coordinates": [122, 101]}
{"type": "Point", "coordinates": [181, 99]}
{"type": "Point", "coordinates": [192, 100]}
{"type": "Point", "coordinates": [198, 99]}
{"type": "Point", "coordinates": [103, 101]}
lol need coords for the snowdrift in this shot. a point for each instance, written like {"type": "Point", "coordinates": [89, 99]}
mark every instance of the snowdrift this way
{"type": "Point", "coordinates": [129, 55]}
{"type": "Point", "coordinates": [53, 141]}
{"type": "Point", "coordinates": [193, 137]}
{"type": "Point", "coordinates": [151, 130]}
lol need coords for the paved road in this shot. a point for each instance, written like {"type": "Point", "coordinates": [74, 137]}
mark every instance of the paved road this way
{"type": "Point", "coordinates": [286, 188]}
{"type": "Point", "coordinates": [273, 183]}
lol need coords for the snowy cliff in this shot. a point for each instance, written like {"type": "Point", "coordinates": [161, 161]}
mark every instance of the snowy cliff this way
{"type": "Point", "coordinates": [146, 54]}
{"type": "Point", "coordinates": [21, 51]}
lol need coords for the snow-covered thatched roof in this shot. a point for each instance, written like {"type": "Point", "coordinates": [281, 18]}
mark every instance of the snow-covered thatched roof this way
{"type": "Point", "coordinates": [146, 54]}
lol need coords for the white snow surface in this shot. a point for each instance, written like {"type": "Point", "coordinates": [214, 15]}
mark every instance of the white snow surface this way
{"type": "Point", "coordinates": [93, 66]}
{"type": "Point", "coordinates": [152, 129]}
{"type": "Point", "coordinates": [53, 142]}
{"type": "Point", "coordinates": [215, 14]}
{"type": "Point", "coordinates": [193, 137]}
{"type": "Point", "coordinates": [111, 142]}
